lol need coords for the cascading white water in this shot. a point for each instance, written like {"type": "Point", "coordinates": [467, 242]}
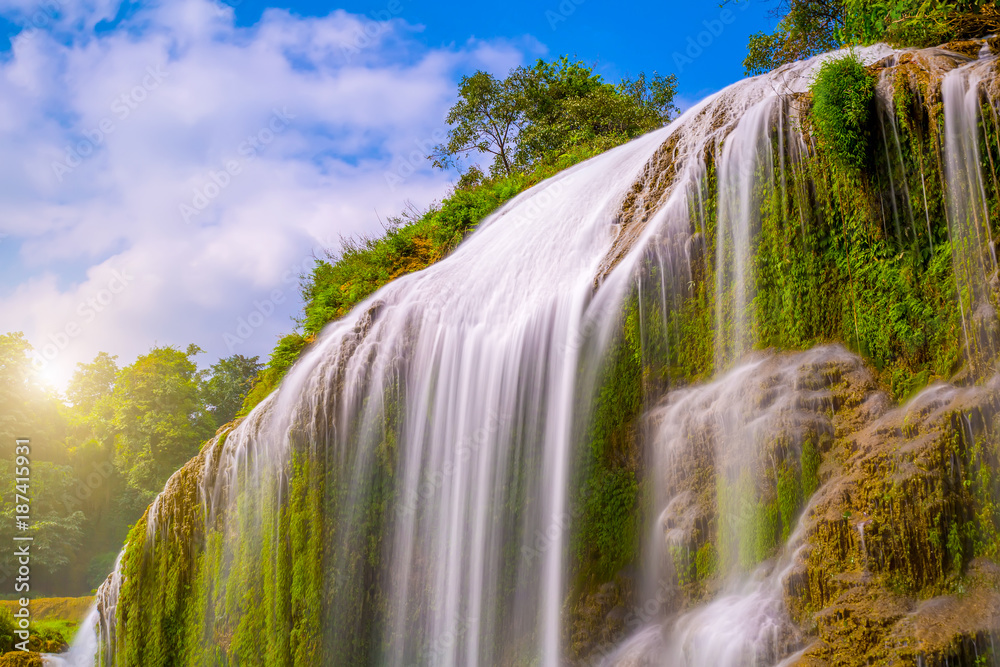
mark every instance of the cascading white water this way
{"type": "Point", "coordinates": [733, 422]}
{"type": "Point", "coordinates": [477, 355]}
{"type": "Point", "coordinates": [745, 174]}
{"type": "Point", "coordinates": [973, 250]}
{"type": "Point", "coordinates": [83, 651]}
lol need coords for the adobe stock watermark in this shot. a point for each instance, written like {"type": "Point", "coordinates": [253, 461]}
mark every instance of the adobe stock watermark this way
{"type": "Point", "coordinates": [43, 17]}
{"type": "Point", "coordinates": [562, 13]}
{"type": "Point", "coordinates": [371, 29]}
{"type": "Point", "coordinates": [218, 180]}
{"type": "Point", "coordinates": [434, 480]}
{"type": "Point", "coordinates": [696, 45]}
{"type": "Point", "coordinates": [543, 540]}
{"type": "Point", "coordinates": [404, 166]}
{"type": "Point", "coordinates": [638, 616]}
{"type": "Point", "coordinates": [87, 311]}
{"type": "Point", "coordinates": [264, 308]}
{"type": "Point", "coordinates": [121, 108]}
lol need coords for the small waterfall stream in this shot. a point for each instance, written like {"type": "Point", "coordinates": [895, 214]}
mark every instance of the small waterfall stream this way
{"type": "Point", "coordinates": [763, 410]}
{"type": "Point", "coordinates": [973, 247]}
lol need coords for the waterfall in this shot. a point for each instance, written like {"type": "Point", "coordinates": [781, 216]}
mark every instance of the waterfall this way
{"type": "Point", "coordinates": [456, 386]}
{"type": "Point", "coordinates": [973, 248]}
{"type": "Point", "coordinates": [758, 418]}
{"type": "Point", "coordinates": [408, 495]}
{"type": "Point", "coordinates": [745, 171]}
{"type": "Point", "coordinates": [83, 651]}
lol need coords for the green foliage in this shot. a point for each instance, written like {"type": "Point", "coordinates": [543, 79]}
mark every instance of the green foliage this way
{"type": "Point", "coordinates": [843, 99]}
{"type": "Point", "coordinates": [789, 498]}
{"type": "Point", "coordinates": [486, 119]}
{"type": "Point", "coordinates": [537, 113]}
{"type": "Point", "coordinates": [749, 522]}
{"type": "Point", "coordinates": [806, 28]}
{"type": "Point", "coordinates": [92, 382]}
{"type": "Point", "coordinates": [567, 105]}
{"type": "Point", "coordinates": [27, 408]}
{"type": "Point", "coordinates": [609, 493]}
{"type": "Point", "coordinates": [57, 527]}
{"type": "Point", "coordinates": [159, 419]}
{"type": "Point", "coordinates": [7, 627]}
{"type": "Point", "coordinates": [706, 561]}
{"type": "Point", "coordinates": [230, 380]}
{"type": "Point", "coordinates": [612, 527]}
{"type": "Point", "coordinates": [809, 27]}
{"type": "Point", "coordinates": [917, 22]}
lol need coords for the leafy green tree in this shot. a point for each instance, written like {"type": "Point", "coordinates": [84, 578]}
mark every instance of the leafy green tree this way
{"type": "Point", "coordinates": [805, 28]}
{"type": "Point", "coordinates": [92, 382]}
{"type": "Point", "coordinates": [92, 428]}
{"type": "Point", "coordinates": [230, 380]}
{"type": "Point", "coordinates": [541, 111]}
{"type": "Point", "coordinates": [546, 89]}
{"type": "Point", "coordinates": [27, 407]}
{"type": "Point", "coordinates": [55, 526]}
{"type": "Point", "coordinates": [159, 418]}
{"type": "Point", "coordinates": [486, 119]}
{"type": "Point", "coordinates": [17, 386]}
{"type": "Point", "coordinates": [101, 489]}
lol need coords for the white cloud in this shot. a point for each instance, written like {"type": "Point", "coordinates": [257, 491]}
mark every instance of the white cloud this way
{"type": "Point", "coordinates": [108, 133]}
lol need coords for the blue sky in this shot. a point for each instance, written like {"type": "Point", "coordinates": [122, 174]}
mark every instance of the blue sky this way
{"type": "Point", "coordinates": [620, 38]}
{"type": "Point", "coordinates": [172, 167]}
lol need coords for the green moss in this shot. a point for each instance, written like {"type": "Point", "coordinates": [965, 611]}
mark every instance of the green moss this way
{"type": "Point", "coordinates": [789, 498]}
{"type": "Point", "coordinates": [811, 459]}
{"type": "Point", "coordinates": [706, 561]}
{"type": "Point", "coordinates": [609, 494]}
{"type": "Point", "coordinates": [843, 95]}
{"type": "Point", "coordinates": [749, 522]}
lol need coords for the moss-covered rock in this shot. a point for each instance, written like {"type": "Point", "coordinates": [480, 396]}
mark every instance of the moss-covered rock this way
{"type": "Point", "coordinates": [21, 659]}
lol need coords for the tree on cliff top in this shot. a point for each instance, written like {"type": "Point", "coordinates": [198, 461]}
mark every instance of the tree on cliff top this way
{"type": "Point", "coordinates": [541, 111]}
{"type": "Point", "coordinates": [808, 27]}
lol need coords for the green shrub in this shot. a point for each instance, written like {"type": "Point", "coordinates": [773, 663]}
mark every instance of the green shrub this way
{"type": "Point", "coordinates": [7, 628]}
{"type": "Point", "coordinates": [843, 96]}
{"type": "Point", "coordinates": [284, 355]}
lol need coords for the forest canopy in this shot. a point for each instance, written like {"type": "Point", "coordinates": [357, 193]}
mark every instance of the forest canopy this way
{"type": "Point", "coordinates": [102, 452]}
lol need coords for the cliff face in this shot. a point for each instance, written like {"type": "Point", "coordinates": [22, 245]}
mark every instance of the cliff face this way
{"type": "Point", "coordinates": [778, 416]}
{"type": "Point", "coordinates": [896, 507]}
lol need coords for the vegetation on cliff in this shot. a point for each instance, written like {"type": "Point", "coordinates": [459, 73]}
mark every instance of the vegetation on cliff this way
{"type": "Point", "coordinates": [810, 27]}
